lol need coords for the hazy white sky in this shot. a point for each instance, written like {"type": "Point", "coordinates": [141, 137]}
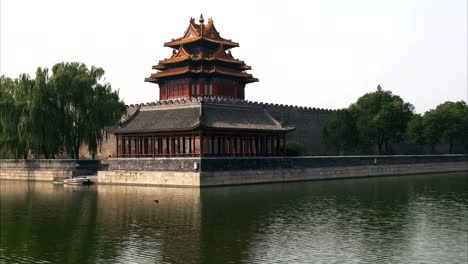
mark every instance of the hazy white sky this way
{"type": "Point", "coordinates": [323, 53]}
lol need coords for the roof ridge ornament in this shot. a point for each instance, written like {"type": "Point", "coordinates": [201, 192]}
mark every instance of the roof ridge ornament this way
{"type": "Point", "coordinates": [202, 25]}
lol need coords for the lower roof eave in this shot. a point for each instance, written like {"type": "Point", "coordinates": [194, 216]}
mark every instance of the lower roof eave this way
{"type": "Point", "coordinates": [258, 130]}
{"type": "Point", "coordinates": [206, 129]}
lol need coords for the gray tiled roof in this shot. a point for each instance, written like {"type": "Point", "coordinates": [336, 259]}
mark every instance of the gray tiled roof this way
{"type": "Point", "coordinates": [238, 117]}
{"type": "Point", "coordinates": [199, 114]}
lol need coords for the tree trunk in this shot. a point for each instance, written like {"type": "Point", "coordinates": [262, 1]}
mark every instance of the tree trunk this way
{"type": "Point", "coordinates": [450, 146]}
{"type": "Point", "coordinates": [380, 140]}
{"type": "Point", "coordinates": [380, 147]}
{"type": "Point", "coordinates": [77, 146]}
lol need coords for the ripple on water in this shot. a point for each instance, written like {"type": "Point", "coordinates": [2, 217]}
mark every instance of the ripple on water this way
{"type": "Point", "coordinates": [417, 219]}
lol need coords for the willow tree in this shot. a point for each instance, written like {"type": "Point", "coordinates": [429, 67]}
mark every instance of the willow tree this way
{"type": "Point", "coordinates": [8, 119]}
{"type": "Point", "coordinates": [46, 117]}
{"type": "Point", "coordinates": [15, 123]}
{"type": "Point", "coordinates": [87, 105]}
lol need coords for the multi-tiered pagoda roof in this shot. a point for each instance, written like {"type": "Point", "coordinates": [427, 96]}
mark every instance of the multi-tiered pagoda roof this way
{"type": "Point", "coordinates": [201, 57]}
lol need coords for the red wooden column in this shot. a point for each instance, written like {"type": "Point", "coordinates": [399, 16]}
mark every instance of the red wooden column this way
{"type": "Point", "coordinates": [249, 145]}
{"type": "Point", "coordinates": [183, 146]}
{"type": "Point", "coordinates": [260, 145]}
{"type": "Point", "coordinates": [212, 145]}
{"type": "Point", "coordinates": [277, 151]}
{"type": "Point", "coordinates": [124, 151]}
{"type": "Point", "coordinates": [129, 146]}
{"type": "Point", "coordinates": [136, 146]}
{"type": "Point", "coordinates": [220, 145]}
{"type": "Point", "coordinates": [284, 145]}
{"type": "Point", "coordinates": [152, 147]}
{"type": "Point", "coordinates": [201, 144]}
{"type": "Point", "coordinates": [122, 146]}
{"type": "Point", "coordinates": [233, 145]}
{"type": "Point", "coordinates": [147, 148]}
{"type": "Point", "coordinates": [263, 145]}
{"type": "Point", "coordinates": [140, 146]}
{"type": "Point", "coordinates": [117, 146]}
{"type": "Point", "coordinates": [272, 148]}
{"type": "Point", "coordinates": [256, 145]}
{"type": "Point", "coordinates": [170, 146]}
{"type": "Point", "coordinates": [241, 145]}
{"type": "Point", "coordinates": [193, 146]}
{"type": "Point", "coordinates": [160, 146]}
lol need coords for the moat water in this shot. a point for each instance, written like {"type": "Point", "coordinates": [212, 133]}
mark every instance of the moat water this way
{"type": "Point", "coordinates": [406, 219]}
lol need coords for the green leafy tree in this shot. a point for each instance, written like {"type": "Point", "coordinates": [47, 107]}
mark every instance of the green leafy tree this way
{"type": "Point", "coordinates": [340, 131]}
{"type": "Point", "coordinates": [432, 129]}
{"type": "Point", "coordinates": [465, 129]}
{"type": "Point", "coordinates": [447, 122]}
{"type": "Point", "coordinates": [294, 148]}
{"type": "Point", "coordinates": [88, 105]}
{"type": "Point", "coordinates": [415, 130]}
{"type": "Point", "coordinates": [381, 118]}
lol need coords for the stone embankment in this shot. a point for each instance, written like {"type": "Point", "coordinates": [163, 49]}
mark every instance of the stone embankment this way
{"type": "Point", "coordinates": [46, 169]}
{"type": "Point", "coordinates": [198, 172]}
{"type": "Point", "coordinates": [207, 171]}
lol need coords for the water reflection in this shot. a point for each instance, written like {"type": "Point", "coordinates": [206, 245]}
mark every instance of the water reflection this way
{"type": "Point", "coordinates": [419, 219]}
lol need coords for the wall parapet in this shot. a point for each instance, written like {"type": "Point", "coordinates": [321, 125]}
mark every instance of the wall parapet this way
{"type": "Point", "coordinates": [269, 163]}
{"type": "Point", "coordinates": [154, 164]}
{"type": "Point", "coordinates": [304, 162]}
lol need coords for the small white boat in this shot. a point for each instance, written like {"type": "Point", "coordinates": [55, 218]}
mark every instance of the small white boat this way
{"type": "Point", "coordinates": [81, 180]}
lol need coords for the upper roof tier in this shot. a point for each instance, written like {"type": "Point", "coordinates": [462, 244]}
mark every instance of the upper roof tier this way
{"type": "Point", "coordinates": [201, 33]}
{"type": "Point", "coordinates": [200, 53]}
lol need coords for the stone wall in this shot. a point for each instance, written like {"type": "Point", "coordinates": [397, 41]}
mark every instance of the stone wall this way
{"type": "Point", "coordinates": [271, 163]}
{"type": "Point", "coordinates": [46, 170]}
{"type": "Point", "coordinates": [218, 178]}
{"type": "Point", "coordinates": [156, 164]}
{"type": "Point", "coordinates": [229, 171]}
{"type": "Point", "coordinates": [309, 124]}
{"type": "Point", "coordinates": [154, 178]}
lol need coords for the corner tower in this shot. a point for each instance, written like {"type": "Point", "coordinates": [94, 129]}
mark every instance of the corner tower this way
{"type": "Point", "coordinates": [201, 65]}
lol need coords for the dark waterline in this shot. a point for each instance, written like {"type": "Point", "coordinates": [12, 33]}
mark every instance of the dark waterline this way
{"type": "Point", "coordinates": [409, 219]}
